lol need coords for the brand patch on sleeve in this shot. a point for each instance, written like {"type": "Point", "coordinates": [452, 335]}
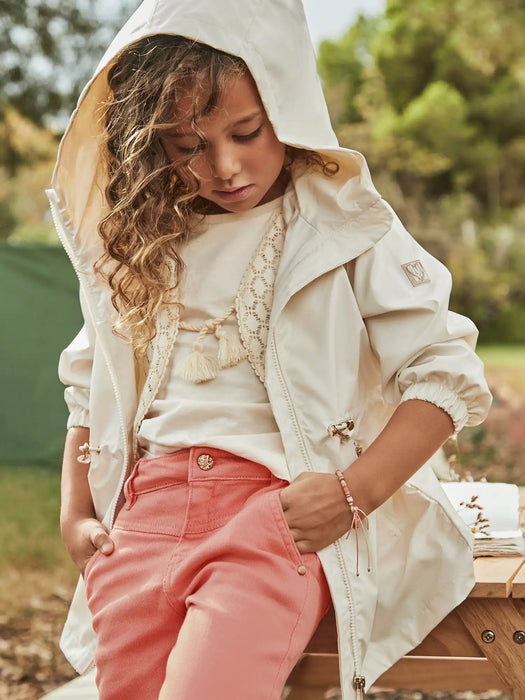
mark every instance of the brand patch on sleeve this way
{"type": "Point", "coordinates": [416, 273]}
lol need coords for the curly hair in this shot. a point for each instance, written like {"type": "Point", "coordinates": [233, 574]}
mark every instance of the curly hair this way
{"type": "Point", "coordinates": [152, 208]}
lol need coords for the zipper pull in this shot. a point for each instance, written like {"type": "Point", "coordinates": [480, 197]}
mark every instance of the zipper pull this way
{"type": "Point", "coordinates": [359, 685]}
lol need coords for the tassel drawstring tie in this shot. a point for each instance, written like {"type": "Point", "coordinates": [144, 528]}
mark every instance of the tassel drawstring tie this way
{"type": "Point", "coordinates": [200, 366]}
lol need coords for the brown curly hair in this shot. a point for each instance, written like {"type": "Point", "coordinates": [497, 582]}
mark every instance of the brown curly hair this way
{"type": "Point", "coordinates": [152, 208]}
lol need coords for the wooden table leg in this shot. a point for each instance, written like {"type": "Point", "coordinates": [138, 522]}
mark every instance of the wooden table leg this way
{"type": "Point", "coordinates": [503, 617]}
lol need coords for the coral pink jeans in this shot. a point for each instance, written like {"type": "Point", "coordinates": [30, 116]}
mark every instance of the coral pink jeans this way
{"type": "Point", "coordinates": [205, 571]}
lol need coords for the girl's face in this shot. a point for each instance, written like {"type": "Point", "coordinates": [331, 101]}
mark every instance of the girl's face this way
{"type": "Point", "coordinates": [240, 164]}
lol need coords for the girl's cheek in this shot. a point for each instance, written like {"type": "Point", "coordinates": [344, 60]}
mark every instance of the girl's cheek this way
{"type": "Point", "coordinates": [201, 168]}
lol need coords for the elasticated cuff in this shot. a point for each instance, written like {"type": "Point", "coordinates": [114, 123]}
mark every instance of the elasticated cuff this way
{"type": "Point", "coordinates": [443, 397]}
{"type": "Point", "coordinates": [78, 418]}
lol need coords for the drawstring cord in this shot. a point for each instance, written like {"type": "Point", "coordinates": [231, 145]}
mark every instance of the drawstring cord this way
{"type": "Point", "coordinates": [359, 517]}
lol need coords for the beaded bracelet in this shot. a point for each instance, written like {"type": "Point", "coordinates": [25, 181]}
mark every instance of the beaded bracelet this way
{"type": "Point", "coordinates": [358, 517]}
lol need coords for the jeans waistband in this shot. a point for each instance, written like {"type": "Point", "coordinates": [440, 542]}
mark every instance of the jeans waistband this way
{"type": "Point", "coordinates": [195, 464]}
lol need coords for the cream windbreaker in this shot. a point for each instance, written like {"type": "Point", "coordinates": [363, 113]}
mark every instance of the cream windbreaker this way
{"type": "Point", "coordinates": [359, 322]}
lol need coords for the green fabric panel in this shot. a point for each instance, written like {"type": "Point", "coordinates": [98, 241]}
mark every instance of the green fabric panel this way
{"type": "Point", "coordinates": [39, 316]}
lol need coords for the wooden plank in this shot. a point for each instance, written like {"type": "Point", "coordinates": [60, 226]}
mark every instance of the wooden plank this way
{"type": "Point", "coordinates": [315, 671]}
{"type": "Point", "coordinates": [449, 638]}
{"type": "Point", "coordinates": [518, 583]}
{"type": "Point", "coordinates": [426, 673]}
{"type": "Point", "coordinates": [503, 618]}
{"type": "Point", "coordinates": [494, 576]}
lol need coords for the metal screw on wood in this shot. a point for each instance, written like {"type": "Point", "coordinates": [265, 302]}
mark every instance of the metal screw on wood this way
{"type": "Point", "coordinates": [488, 636]}
{"type": "Point", "coordinates": [519, 637]}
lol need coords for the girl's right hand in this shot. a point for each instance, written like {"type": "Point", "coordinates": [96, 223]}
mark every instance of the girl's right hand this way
{"type": "Point", "coordinates": [83, 537]}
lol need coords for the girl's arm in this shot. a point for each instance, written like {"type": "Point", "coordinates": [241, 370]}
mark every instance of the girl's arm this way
{"type": "Point", "coordinates": [413, 434]}
{"type": "Point", "coordinates": [314, 505]}
{"type": "Point", "coordinates": [82, 533]}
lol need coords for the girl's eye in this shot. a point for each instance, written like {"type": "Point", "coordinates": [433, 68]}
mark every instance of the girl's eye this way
{"type": "Point", "coordinates": [191, 150]}
{"type": "Point", "coordinates": [250, 136]}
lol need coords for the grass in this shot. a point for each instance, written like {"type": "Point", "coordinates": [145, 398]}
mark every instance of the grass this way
{"type": "Point", "coordinates": [503, 356]}
{"type": "Point", "coordinates": [32, 556]}
{"type": "Point", "coordinates": [505, 366]}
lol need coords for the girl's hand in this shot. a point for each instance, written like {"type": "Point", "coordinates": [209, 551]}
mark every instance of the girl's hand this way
{"type": "Point", "coordinates": [316, 510]}
{"type": "Point", "coordinates": [83, 537]}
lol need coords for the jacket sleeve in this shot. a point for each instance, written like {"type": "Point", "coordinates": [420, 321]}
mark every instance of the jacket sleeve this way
{"type": "Point", "coordinates": [74, 370]}
{"type": "Point", "coordinates": [424, 350]}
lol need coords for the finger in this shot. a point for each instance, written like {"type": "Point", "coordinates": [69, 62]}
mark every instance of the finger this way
{"type": "Point", "coordinates": [102, 541]}
{"type": "Point", "coordinates": [283, 505]}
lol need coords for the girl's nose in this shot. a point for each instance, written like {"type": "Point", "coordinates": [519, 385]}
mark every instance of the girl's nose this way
{"type": "Point", "coordinates": [224, 163]}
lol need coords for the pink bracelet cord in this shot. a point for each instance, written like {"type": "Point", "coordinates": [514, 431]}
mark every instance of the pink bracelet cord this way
{"type": "Point", "coordinates": [359, 518]}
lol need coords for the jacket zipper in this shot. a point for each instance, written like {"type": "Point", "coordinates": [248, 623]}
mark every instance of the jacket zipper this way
{"type": "Point", "coordinates": [57, 220]}
{"type": "Point", "coordinates": [358, 681]}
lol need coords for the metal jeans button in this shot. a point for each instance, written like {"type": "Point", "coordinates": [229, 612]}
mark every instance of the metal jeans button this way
{"type": "Point", "coordinates": [205, 462]}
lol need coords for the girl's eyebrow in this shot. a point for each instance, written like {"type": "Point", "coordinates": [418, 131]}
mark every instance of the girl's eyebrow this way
{"type": "Point", "coordinates": [239, 122]}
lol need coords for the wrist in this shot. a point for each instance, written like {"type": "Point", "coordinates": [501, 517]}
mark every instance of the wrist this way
{"type": "Point", "coordinates": [360, 491]}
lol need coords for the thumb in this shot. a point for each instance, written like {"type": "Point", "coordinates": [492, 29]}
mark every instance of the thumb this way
{"type": "Point", "coordinates": [101, 540]}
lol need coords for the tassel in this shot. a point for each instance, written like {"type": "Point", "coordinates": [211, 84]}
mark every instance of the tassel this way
{"type": "Point", "coordinates": [231, 351]}
{"type": "Point", "coordinates": [197, 367]}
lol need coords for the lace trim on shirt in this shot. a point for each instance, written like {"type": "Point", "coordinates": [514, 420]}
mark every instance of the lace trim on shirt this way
{"type": "Point", "coordinates": [254, 300]}
{"type": "Point", "coordinates": [159, 352]}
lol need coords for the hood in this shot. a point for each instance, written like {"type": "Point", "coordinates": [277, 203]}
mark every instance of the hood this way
{"type": "Point", "coordinates": [271, 36]}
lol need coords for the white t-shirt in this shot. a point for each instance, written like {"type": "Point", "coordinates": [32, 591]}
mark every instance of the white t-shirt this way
{"type": "Point", "coordinates": [232, 411]}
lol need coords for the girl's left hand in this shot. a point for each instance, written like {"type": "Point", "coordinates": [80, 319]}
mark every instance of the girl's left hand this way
{"type": "Point", "coordinates": [316, 510]}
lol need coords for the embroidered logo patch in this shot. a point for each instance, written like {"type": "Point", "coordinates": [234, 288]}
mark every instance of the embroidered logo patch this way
{"type": "Point", "coordinates": [416, 273]}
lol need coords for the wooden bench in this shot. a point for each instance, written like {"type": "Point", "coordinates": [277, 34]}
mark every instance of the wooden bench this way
{"type": "Point", "coordinates": [479, 646]}
{"type": "Point", "coordinates": [454, 655]}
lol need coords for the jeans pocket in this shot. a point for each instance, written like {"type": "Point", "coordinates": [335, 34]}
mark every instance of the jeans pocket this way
{"type": "Point", "coordinates": [279, 518]}
{"type": "Point", "coordinates": [88, 570]}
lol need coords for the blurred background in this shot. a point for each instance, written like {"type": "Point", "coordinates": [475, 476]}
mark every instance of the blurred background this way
{"type": "Point", "coordinates": [433, 93]}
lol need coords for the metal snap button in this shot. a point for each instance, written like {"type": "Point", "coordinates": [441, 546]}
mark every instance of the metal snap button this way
{"type": "Point", "coordinates": [205, 462]}
{"type": "Point", "coordinates": [301, 570]}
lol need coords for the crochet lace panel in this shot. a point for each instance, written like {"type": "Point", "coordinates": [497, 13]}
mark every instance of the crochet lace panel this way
{"type": "Point", "coordinates": [255, 295]}
{"type": "Point", "coordinates": [159, 353]}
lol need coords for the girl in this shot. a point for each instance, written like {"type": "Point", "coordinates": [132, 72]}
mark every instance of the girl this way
{"type": "Point", "coordinates": [267, 361]}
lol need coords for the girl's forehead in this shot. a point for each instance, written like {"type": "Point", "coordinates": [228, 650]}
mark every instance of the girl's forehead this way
{"type": "Point", "coordinates": [238, 100]}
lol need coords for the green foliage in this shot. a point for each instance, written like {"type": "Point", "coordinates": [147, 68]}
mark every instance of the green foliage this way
{"type": "Point", "coordinates": [439, 86]}
{"type": "Point", "coordinates": [48, 49]}
{"type": "Point", "coordinates": [433, 93]}
{"type": "Point", "coordinates": [343, 64]}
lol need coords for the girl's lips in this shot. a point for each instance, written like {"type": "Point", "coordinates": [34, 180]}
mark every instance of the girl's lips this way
{"type": "Point", "coordinates": [236, 195]}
